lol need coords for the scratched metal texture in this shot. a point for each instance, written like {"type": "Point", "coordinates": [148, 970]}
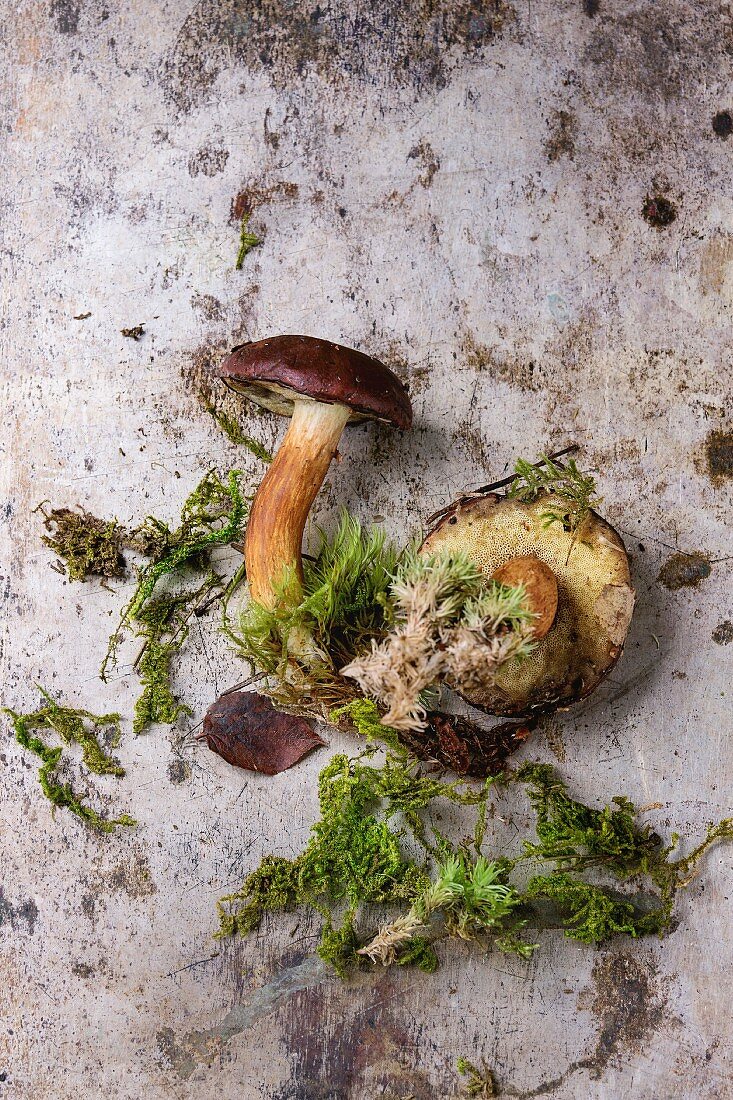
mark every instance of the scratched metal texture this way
{"type": "Point", "coordinates": [458, 188]}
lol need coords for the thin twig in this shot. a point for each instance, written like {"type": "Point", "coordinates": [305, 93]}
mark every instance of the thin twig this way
{"type": "Point", "coordinates": [244, 683]}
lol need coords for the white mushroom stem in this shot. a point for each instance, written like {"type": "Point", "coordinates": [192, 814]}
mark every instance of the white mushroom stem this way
{"type": "Point", "coordinates": [280, 508]}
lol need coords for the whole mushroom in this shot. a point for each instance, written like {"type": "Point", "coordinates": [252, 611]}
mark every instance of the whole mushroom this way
{"type": "Point", "coordinates": [578, 585]}
{"type": "Point", "coordinates": [322, 387]}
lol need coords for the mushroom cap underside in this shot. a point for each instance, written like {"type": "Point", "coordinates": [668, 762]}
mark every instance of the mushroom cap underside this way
{"type": "Point", "coordinates": [278, 371]}
{"type": "Point", "coordinates": [595, 596]}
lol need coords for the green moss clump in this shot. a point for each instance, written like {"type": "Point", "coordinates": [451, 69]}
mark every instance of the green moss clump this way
{"type": "Point", "coordinates": [419, 952]}
{"type": "Point", "coordinates": [356, 856]}
{"type": "Point", "coordinates": [87, 545]}
{"type": "Point", "coordinates": [575, 836]}
{"type": "Point", "coordinates": [247, 241]}
{"type": "Point", "coordinates": [213, 515]}
{"type": "Point", "coordinates": [562, 480]}
{"type": "Point", "coordinates": [590, 914]}
{"type": "Point", "coordinates": [479, 1082]}
{"type": "Point", "coordinates": [234, 433]}
{"type": "Point", "coordinates": [340, 946]}
{"type": "Point", "coordinates": [72, 726]}
{"type": "Point", "coordinates": [343, 604]}
{"type": "Point", "coordinates": [363, 715]}
{"type": "Point", "coordinates": [161, 624]}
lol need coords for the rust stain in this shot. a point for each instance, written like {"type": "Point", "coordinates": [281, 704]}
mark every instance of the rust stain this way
{"type": "Point", "coordinates": [715, 257]}
{"type": "Point", "coordinates": [254, 196]}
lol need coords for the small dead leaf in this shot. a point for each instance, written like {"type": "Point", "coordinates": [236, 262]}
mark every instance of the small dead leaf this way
{"type": "Point", "coordinates": [245, 730]}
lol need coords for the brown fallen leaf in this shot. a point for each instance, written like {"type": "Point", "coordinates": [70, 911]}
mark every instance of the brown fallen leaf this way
{"type": "Point", "coordinates": [464, 747]}
{"type": "Point", "coordinates": [245, 730]}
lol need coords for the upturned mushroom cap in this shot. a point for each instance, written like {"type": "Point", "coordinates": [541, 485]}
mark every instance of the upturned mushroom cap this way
{"type": "Point", "coordinates": [277, 372]}
{"type": "Point", "coordinates": [595, 597]}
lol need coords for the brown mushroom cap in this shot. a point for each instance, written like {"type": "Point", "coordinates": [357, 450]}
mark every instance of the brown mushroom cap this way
{"type": "Point", "coordinates": [277, 372]}
{"type": "Point", "coordinates": [595, 597]}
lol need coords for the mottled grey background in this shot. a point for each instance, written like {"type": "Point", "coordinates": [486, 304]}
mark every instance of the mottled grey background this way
{"type": "Point", "coordinates": [460, 188]}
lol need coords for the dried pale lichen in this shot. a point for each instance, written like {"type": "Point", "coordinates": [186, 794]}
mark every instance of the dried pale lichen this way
{"type": "Point", "coordinates": [446, 622]}
{"type": "Point", "coordinates": [73, 726]}
{"type": "Point", "coordinates": [355, 856]}
{"type": "Point", "coordinates": [87, 545]}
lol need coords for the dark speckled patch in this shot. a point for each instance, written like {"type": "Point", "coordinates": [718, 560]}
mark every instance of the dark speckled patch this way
{"type": "Point", "coordinates": [388, 43]}
{"type": "Point", "coordinates": [65, 14]}
{"type": "Point", "coordinates": [24, 914]}
{"type": "Point", "coordinates": [684, 571]}
{"type": "Point", "coordinates": [210, 160]}
{"type": "Point", "coordinates": [719, 454]}
{"type": "Point", "coordinates": [641, 47]}
{"type": "Point", "coordinates": [630, 1001]}
{"type": "Point", "coordinates": [561, 140]}
{"type": "Point", "coordinates": [723, 633]}
{"type": "Point", "coordinates": [178, 770]}
{"type": "Point", "coordinates": [723, 125]}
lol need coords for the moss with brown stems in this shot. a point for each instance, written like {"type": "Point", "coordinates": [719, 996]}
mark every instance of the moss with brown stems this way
{"type": "Point", "coordinates": [87, 545]}
{"type": "Point", "coordinates": [213, 515]}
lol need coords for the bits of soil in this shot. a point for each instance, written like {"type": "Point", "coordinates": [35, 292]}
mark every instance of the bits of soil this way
{"type": "Point", "coordinates": [659, 211]}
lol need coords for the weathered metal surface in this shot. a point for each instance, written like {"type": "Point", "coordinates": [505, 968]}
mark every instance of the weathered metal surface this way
{"type": "Point", "coordinates": [463, 189]}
